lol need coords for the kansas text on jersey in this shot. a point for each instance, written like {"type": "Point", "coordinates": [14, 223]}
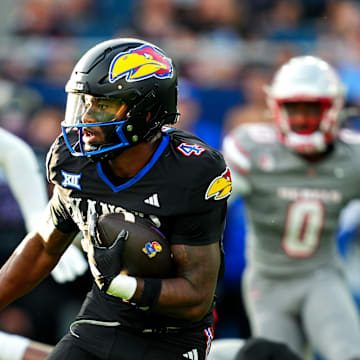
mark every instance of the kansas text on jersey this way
{"type": "Point", "coordinates": [183, 190]}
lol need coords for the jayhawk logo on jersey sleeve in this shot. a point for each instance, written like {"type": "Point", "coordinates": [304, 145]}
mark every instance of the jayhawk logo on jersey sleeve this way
{"type": "Point", "coordinates": [220, 187]}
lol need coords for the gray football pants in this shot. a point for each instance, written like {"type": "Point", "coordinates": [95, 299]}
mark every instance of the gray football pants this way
{"type": "Point", "coordinates": [316, 309]}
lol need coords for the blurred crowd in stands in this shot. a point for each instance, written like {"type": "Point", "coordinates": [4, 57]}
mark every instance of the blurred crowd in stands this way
{"type": "Point", "coordinates": [225, 51]}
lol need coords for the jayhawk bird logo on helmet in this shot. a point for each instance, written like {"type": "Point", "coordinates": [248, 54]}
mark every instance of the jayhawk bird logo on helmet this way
{"type": "Point", "coordinates": [140, 63]}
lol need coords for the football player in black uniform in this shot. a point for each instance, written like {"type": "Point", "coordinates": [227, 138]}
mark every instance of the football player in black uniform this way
{"type": "Point", "coordinates": [115, 155]}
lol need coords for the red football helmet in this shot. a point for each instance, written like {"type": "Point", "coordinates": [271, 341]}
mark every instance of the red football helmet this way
{"type": "Point", "coordinates": [313, 83]}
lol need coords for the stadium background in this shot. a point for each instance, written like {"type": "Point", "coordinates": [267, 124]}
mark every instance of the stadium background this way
{"type": "Point", "coordinates": [225, 52]}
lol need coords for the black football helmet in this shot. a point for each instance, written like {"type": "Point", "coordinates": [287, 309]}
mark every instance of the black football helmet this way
{"type": "Point", "coordinates": [128, 87]}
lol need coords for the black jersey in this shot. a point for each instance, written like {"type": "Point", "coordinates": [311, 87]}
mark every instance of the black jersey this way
{"type": "Point", "coordinates": [183, 190]}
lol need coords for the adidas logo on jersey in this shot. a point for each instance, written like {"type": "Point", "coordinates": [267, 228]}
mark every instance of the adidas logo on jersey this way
{"type": "Point", "coordinates": [192, 355]}
{"type": "Point", "coordinates": [153, 200]}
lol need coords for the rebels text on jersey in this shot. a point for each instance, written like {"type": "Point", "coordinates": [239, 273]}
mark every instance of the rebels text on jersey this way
{"type": "Point", "coordinates": [183, 190]}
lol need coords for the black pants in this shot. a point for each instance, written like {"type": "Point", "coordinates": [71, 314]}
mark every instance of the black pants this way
{"type": "Point", "coordinates": [96, 342]}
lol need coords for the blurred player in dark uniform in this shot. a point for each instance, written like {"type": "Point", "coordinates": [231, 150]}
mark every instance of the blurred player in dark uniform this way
{"type": "Point", "coordinates": [116, 156]}
{"type": "Point", "coordinates": [296, 176]}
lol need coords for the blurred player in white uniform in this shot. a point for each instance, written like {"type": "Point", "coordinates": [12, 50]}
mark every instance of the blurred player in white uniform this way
{"type": "Point", "coordinates": [295, 177]}
{"type": "Point", "coordinates": [21, 168]}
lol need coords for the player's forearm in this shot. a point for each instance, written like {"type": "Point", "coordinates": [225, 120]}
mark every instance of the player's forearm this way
{"type": "Point", "coordinates": [176, 297]}
{"type": "Point", "coordinates": [190, 295]}
{"type": "Point", "coordinates": [26, 267]}
{"type": "Point", "coordinates": [16, 347]}
{"type": "Point", "coordinates": [37, 351]}
{"type": "Point", "coordinates": [181, 299]}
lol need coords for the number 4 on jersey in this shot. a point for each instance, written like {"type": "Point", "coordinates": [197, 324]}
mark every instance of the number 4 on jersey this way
{"type": "Point", "coordinates": [190, 149]}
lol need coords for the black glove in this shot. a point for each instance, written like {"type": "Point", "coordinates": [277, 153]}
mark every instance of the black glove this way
{"type": "Point", "coordinates": [105, 262]}
{"type": "Point", "coordinates": [263, 349]}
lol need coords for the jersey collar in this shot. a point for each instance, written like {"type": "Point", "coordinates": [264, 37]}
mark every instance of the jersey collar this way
{"type": "Point", "coordinates": [164, 142]}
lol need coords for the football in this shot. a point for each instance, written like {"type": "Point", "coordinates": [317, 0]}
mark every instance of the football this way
{"type": "Point", "coordinates": [146, 251]}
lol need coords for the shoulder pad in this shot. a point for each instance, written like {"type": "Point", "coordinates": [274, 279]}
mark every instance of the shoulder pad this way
{"type": "Point", "coordinates": [200, 168]}
{"type": "Point", "coordinates": [50, 158]}
{"type": "Point", "coordinates": [261, 133]}
{"type": "Point", "coordinates": [59, 155]}
{"type": "Point", "coordinates": [236, 155]}
{"type": "Point", "coordinates": [349, 136]}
